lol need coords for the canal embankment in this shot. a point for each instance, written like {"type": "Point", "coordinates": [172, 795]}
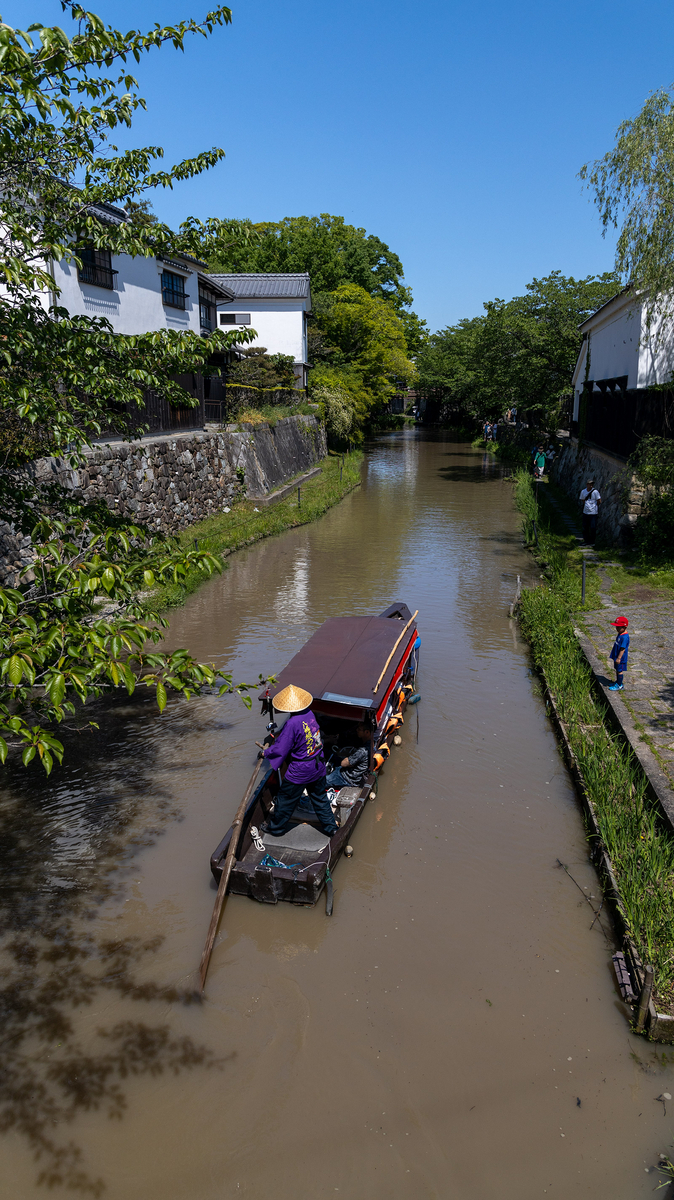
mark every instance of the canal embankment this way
{"type": "Point", "coordinates": [249, 520]}
{"type": "Point", "coordinates": [171, 482]}
{"type": "Point", "coordinates": [620, 781]}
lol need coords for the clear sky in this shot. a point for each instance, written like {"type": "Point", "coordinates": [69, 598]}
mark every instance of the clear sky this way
{"type": "Point", "coordinates": [453, 131]}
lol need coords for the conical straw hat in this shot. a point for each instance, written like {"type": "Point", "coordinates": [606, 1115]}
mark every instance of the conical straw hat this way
{"type": "Point", "coordinates": [292, 699]}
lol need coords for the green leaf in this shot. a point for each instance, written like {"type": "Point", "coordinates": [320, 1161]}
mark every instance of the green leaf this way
{"type": "Point", "coordinates": [28, 755]}
{"type": "Point", "coordinates": [161, 696]}
{"type": "Point", "coordinates": [3, 751]}
{"type": "Point", "coordinates": [15, 670]}
{"type": "Point", "coordinates": [57, 688]}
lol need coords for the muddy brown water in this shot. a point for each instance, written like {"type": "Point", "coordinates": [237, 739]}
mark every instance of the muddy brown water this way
{"type": "Point", "coordinates": [453, 1031]}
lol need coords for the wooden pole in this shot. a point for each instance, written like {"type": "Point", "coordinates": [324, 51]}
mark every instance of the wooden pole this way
{"type": "Point", "coordinates": [644, 1000]}
{"type": "Point", "coordinates": [416, 614]}
{"type": "Point", "coordinates": [226, 872]}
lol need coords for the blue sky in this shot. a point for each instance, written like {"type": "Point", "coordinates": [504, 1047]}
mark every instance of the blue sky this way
{"type": "Point", "coordinates": [452, 131]}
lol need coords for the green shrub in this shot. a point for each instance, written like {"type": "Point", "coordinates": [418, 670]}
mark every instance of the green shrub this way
{"type": "Point", "coordinates": [654, 532]}
{"type": "Point", "coordinates": [336, 410]}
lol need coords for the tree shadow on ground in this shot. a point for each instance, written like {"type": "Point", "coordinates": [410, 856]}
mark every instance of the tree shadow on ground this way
{"type": "Point", "coordinates": [61, 844]}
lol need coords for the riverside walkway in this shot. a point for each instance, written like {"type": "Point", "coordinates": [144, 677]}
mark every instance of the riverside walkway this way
{"type": "Point", "coordinates": [645, 709]}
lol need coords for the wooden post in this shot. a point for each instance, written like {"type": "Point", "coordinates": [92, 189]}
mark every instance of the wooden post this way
{"type": "Point", "coordinates": [299, 497]}
{"type": "Point", "coordinates": [644, 1000]}
{"type": "Point", "coordinates": [582, 587]}
{"type": "Point", "coordinates": [226, 872]}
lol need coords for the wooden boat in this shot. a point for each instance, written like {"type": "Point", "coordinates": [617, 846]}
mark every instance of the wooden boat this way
{"type": "Point", "coordinates": [359, 670]}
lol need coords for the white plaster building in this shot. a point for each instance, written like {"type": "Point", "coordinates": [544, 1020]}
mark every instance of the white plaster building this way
{"type": "Point", "coordinates": [276, 306]}
{"type": "Point", "coordinates": [139, 295]}
{"type": "Point", "coordinates": [618, 378]}
{"type": "Point", "coordinates": [624, 354]}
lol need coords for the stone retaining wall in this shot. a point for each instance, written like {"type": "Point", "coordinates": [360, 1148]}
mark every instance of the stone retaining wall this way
{"type": "Point", "coordinates": [170, 481]}
{"type": "Point", "coordinates": [623, 497]}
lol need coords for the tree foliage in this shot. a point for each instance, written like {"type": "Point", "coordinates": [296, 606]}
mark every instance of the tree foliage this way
{"type": "Point", "coordinates": [257, 369]}
{"type": "Point", "coordinates": [520, 352]}
{"type": "Point", "coordinates": [359, 350]}
{"type": "Point", "coordinates": [633, 187]}
{"type": "Point", "coordinates": [333, 252]}
{"type": "Point", "coordinates": [75, 625]}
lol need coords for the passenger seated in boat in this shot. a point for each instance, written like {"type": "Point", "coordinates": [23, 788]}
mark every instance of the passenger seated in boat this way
{"type": "Point", "coordinates": [300, 742]}
{"type": "Point", "coordinates": [354, 766]}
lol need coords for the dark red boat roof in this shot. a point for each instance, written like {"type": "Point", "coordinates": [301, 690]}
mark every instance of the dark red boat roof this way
{"type": "Point", "coordinates": [343, 660]}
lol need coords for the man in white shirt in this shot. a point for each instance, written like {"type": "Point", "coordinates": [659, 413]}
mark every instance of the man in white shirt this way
{"type": "Point", "coordinates": [590, 499]}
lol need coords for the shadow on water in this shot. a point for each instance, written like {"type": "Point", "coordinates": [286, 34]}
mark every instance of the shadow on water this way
{"type": "Point", "coordinates": [471, 474]}
{"type": "Point", "coordinates": [62, 843]}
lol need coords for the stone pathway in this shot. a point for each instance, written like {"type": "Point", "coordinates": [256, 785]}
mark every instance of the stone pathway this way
{"type": "Point", "coordinates": [645, 709]}
{"type": "Point", "coordinates": [649, 688]}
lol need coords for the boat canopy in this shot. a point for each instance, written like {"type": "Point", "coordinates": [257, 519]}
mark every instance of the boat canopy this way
{"type": "Point", "coordinates": [342, 662]}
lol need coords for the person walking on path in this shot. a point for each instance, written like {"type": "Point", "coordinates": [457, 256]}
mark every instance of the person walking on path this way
{"type": "Point", "coordinates": [539, 462]}
{"type": "Point", "coordinates": [590, 499]}
{"type": "Point", "coordinates": [487, 431]}
{"type": "Point", "coordinates": [300, 742]}
{"type": "Point", "coordinates": [619, 652]}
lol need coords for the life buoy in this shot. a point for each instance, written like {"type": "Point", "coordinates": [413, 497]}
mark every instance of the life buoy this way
{"type": "Point", "coordinates": [380, 755]}
{"type": "Point", "coordinates": [396, 720]}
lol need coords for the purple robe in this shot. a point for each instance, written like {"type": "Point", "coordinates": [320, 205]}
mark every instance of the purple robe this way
{"type": "Point", "coordinates": [300, 742]}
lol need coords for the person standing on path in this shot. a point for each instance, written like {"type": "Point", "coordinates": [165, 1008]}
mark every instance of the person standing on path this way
{"type": "Point", "coordinates": [300, 742]}
{"type": "Point", "coordinates": [590, 499]}
{"type": "Point", "coordinates": [619, 652]}
{"type": "Point", "coordinates": [539, 462]}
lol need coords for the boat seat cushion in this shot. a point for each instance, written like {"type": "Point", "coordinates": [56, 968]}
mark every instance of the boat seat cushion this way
{"type": "Point", "coordinates": [298, 837]}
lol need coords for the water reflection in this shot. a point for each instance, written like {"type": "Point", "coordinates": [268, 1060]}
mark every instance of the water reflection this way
{"type": "Point", "coordinates": [61, 847]}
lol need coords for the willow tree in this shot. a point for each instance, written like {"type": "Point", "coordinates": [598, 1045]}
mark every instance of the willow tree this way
{"type": "Point", "coordinates": [633, 188]}
{"type": "Point", "coordinates": [75, 626]}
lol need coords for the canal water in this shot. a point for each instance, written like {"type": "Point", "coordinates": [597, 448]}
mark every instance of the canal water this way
{"type": "Point", "coordinates": [452, 1032]}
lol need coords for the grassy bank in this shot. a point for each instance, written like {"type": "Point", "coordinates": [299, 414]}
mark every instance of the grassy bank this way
{"type": "Point", "coordinates": [244, 524]}
{"type": "Point", "coordinates": [507, 452]}
{"type": "Point", "coordinates": [642, 851]}
{"type": "Point", "coordinates": [271, 414]}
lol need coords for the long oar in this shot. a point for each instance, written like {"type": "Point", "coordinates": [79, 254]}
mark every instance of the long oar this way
{"type": "Point", "coordinates": [226, 872]}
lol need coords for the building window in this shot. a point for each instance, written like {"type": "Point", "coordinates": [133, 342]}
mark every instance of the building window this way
{"type": "Point", "coordinates": [207, 302]}
{"type": "Point", "coordinates": [96, 267]}
{"type": "Point", "coordinates": [235, 318]}
{"type": "Point", "coordinates": [173, 290]}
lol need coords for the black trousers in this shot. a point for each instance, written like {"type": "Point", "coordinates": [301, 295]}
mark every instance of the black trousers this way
{"type": "Point", "coordinates": [589, 527]}
{"type": "Point", "coordinates": [287, 800]}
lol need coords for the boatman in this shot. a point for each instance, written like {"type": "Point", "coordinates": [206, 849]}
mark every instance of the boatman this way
{"type": "Point", "coordinates": [300, 742]}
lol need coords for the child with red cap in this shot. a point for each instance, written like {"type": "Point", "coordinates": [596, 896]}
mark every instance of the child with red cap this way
{"type": "Point", "coordinates": [619, 652]}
